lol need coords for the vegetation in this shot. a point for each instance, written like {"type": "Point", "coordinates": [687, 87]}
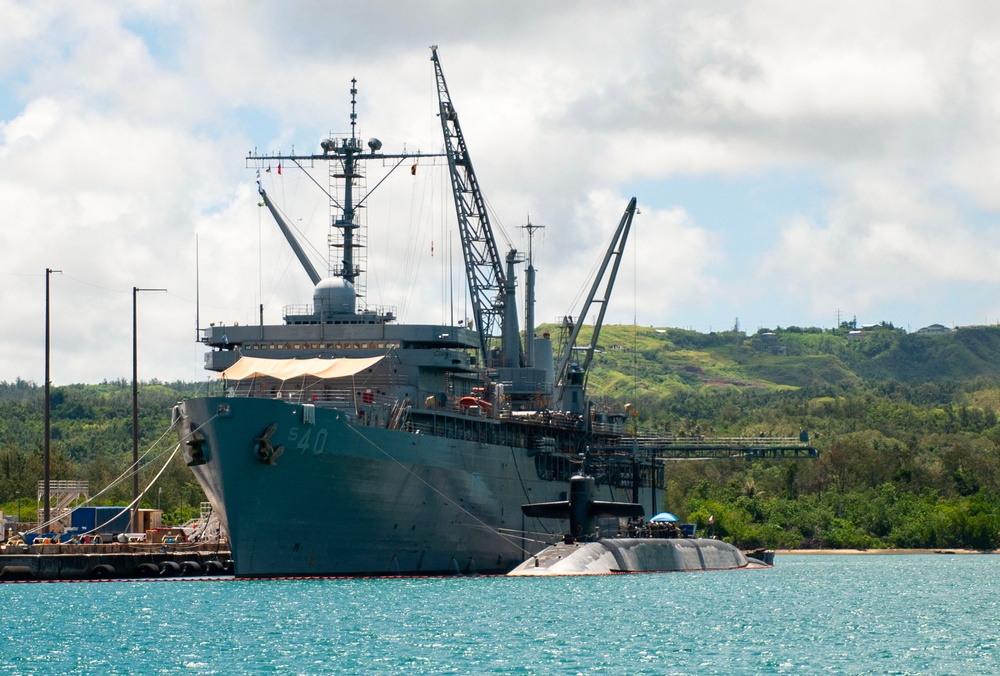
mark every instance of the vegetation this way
{"type": "Point", "coordinates": [91, 440]}
{"type": "Point", "coordinates": [906, 425]}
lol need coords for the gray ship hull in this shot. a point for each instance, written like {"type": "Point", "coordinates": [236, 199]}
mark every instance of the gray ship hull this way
{"type": "Point", "coordinates": [343, 498]}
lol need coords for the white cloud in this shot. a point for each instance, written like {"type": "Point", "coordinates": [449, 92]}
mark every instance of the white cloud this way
{"type": "Point", "coordinates": [124, 128]}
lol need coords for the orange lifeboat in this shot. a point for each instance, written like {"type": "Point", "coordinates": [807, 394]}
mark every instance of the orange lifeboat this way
{"type": "Point", "coordinates": [469, 402]}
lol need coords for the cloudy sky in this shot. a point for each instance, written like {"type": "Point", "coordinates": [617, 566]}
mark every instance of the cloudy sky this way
{"type": "Point", "coordinates": [792, 165]}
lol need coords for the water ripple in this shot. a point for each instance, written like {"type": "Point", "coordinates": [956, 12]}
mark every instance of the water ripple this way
{"type": "Point", "coordinates": [810, 614]}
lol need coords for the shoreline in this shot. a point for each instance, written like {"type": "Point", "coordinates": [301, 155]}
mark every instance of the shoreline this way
{"type": "Point", "coordinates": [871, 552]}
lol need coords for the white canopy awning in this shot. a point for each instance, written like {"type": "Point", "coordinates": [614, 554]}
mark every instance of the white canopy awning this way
{"type": "Point", "coordinates": [286, 369]}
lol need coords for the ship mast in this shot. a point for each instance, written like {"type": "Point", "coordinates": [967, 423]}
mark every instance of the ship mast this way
{"type": "Point", "coordinates": [529, 299]}
{"type": "Point", "coordinates": [345, 156]}
{"type": "Point", "coordinates": [348, 151]}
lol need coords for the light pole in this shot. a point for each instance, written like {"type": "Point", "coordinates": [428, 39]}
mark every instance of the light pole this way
{"type": "Point", "coordinates": [47, 404]}
{"type": "Point", "coordinates": [135, 411]}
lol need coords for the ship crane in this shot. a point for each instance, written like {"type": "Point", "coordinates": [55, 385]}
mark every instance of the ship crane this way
{"type": "Point", "coordinates": [570, 375]}
{"type": "Point", "coordinates": [483, 264]}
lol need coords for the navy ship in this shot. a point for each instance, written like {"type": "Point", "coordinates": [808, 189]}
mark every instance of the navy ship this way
{"type": "Point", "coordinates": [345, 443]}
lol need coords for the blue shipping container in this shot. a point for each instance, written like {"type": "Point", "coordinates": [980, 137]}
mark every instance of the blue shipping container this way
{"type": "Point", "coordinates": [107, 520]}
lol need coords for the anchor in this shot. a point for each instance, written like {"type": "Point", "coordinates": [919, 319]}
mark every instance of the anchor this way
{"type": "Point", "coordinates": [196, 451]}
{"type": "Point", "coordinates": [266, 453]}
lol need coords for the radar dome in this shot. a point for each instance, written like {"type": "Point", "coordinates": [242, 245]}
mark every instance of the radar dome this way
{"type": "Point", "coordinates": [334, 295]}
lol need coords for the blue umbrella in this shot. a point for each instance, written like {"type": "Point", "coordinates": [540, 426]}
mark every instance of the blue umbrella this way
{"type": "Point", "coordinates": [663, 517]}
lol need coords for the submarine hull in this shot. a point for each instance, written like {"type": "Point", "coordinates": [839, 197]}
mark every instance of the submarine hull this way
{"type": "Point", "coordinates": [636, 555]}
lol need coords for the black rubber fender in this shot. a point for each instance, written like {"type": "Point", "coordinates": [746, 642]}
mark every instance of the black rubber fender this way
{"type": "Point", "coordinates": [213, 567]}
{"type": "Point", "coordinates": [190, 568]}
{"type": "Point", "coordinates": [102, 571]}
{"type": "Point", "coordinates": [10, 573]}
{"type": "Point", "coordinates": [170, 569]}
{"type": "Point", "coordinates": [147, 570]}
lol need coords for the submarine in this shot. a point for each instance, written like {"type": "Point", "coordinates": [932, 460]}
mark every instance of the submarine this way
{"type": "Point", "coordinates": [583, 552]}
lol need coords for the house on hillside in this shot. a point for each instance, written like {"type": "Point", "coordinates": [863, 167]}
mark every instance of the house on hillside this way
{"type": "Point", "coordinates": [935, 329]}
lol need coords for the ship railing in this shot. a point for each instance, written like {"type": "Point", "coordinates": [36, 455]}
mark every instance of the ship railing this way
{"type": "Point", "coordinates": [708, 442]}
{"type": "Point", "coordinates": [608, 428]}
{"type": "Point", "coordinates": [708, 447]}
{"type": "Point", "coordinates": [300, 310]}
{"type": "Point", "coordinates": [340, 398]}
{"type": "Point", "coordinates": [557, 419]}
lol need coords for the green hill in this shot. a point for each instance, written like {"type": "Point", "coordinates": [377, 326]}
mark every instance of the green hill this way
{"type": "Point", "coordinates": [667, 359]}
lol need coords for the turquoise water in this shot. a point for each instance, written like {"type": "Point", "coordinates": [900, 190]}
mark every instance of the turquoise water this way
{"type": "Point", "coordinates": [933, 614]}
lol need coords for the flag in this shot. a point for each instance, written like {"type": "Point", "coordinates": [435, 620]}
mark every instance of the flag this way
{"type": "Point", "coordinates": [279, 168]}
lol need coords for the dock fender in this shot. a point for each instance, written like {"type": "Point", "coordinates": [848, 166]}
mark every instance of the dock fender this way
{"type": "Point", "coordinates": [147, 570]}
{"type": "Point", "coordinates": [190, 568]}
{"type": "Point", "coordinates": [214, 567]}
{"type": "Point", "coordinates": [102, 571]}
{"type": "Point", "coordinates": [170, 569]}
{"type": "Point", "coordinates": [10, 573]}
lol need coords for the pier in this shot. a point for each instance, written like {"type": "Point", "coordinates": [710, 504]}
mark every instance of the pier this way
{"type": "Point", "coordinates": [49, 562]}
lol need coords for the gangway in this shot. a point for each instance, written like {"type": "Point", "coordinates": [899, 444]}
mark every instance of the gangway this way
{"type": "Point", "coordinates": [66, 493]}
{"type": "Point", "coordinates": [713, 448]}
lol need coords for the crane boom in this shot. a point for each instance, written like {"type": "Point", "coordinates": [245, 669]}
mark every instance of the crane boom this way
{"type": "Point", "coordinates": [614, 252]}
{"type": "Point", "coordinates": [483, 265]}
{"type": "Point", "coordinates": [286, 230]}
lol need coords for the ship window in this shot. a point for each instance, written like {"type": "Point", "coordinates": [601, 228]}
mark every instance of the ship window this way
{"type": "Point", "coordinates": [315, 346]}
{"type": "Point", "coordinates": [339, 346]}
{"type": "Point", "coordinates": [271, 346]}
{"type": "Point", "coordinates": [281, 346]}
